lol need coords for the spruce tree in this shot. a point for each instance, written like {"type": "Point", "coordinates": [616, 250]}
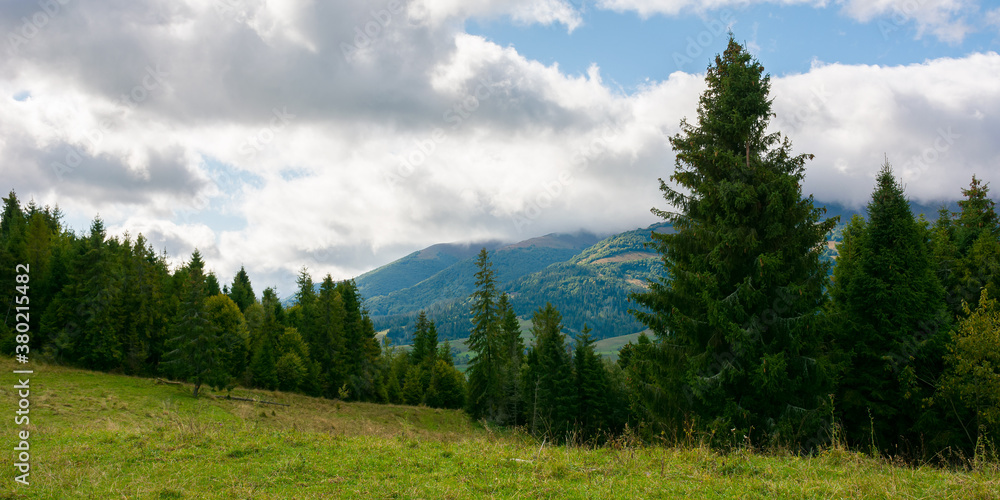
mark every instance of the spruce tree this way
{"type": "Point", "coordinates": [305, 300]}
{"type": "Point", "coordinates": [549, 388]}
{"type": "Point", "coordinates": [424, 342]}
{"type": "Point", "coordinates": [736, 307]}
{"type": "Point", "coordinates": [266, 341]}
{"type": "Point", "coordinates": [447, 388]}
{"type": "Point", "coordinates": [976, 241]}
{"type": "Point", "coordinates": [212, 285]}
{"type": "Point", "coordinates": [41, 236]}
{"type": "Point", "coordinates": [198, 354]}
{"type": "Point", "coordinates": [444, 353]}
{"type": "Point", "coordinates": [413, 392]}
{"type": "Point", "coordinates": [484, 395]}
{"type": "Point", "coordinates": [144, 322]}
{"type": "Point", "coordinates": [592, 388]}
{"type": "Point", "coordinates": [328, 338]}
{"type": "Point", "coordinates": [511, 354]}
{"type": "Point", "coordinates": [361, 351]}
{"type": "Point", "coordinates": [887, 310]}
{"type": "Point", "coordinates": [241, 291]}
{"type": "Point", "coordinates": [91, 335]}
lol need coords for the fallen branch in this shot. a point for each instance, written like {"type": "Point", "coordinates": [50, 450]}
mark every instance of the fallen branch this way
{"type": "Point", "coordinates": [253, 400]}
{"type": "Point", "coordinates": [171, 382]}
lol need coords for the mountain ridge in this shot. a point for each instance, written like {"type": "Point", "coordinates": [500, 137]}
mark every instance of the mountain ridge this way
{"type": "Point", "coordinates": [586, 276]}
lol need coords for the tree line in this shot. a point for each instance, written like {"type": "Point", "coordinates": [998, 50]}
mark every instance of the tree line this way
{"type": "Point", "coordinates": [113, 304]}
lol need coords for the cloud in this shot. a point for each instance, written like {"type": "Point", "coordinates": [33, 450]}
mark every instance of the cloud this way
{"type": "Point", "coordinates": [934, 121]}
{"type": "Point", "coordinates": [992, 19]}
{"type": "Point", "coordinates": [545, 12]}
{"type": "Point", "coordinates": [342, 135]}
{"type": "Point", "coordinates": [947, 20]}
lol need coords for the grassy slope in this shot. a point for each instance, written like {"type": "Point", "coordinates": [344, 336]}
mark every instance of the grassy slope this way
{"type": "Point", "coordinates": [106, 436]}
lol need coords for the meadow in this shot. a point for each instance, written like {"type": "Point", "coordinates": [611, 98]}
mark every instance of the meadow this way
{"type": "Point", "coordinates": [97, 435]}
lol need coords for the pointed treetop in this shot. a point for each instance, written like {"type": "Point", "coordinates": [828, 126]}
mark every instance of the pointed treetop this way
{"type": "Point", "coordinates": [97, 231]}
{"type": "Point", "coordinates": [196, 263]}
{"type": "Point", "coordinates": [978, 210]}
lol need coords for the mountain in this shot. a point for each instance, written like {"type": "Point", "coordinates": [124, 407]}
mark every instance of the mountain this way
{"type": "Point", "coordinates": [449, 272]}
{"type": "Point", "coordinates": [417, 267]}
{"type": "Point", "coordinates": [592, 288]}
{"type": "Point", "coordinates": [587, 278]}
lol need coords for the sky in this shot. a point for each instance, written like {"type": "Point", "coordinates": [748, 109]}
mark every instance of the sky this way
{"type": "Point", "coordinates": [341, 135]}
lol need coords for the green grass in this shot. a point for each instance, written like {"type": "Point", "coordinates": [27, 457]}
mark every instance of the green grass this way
{"type": "Point", "coordinates": [109, 436]}
{"type": "Point", "coordinates": [611, 346]}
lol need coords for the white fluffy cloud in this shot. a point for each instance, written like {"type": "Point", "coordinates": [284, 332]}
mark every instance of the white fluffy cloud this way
{"type": "Point", "coordinates": [277, 135]}
{"type": "Point", "coordinates": [935, 122]}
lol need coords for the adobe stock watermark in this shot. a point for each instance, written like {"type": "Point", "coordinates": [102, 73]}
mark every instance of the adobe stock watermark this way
{"type": "Point", "coordinates": [902, 12]}
{"type": "Point", "coordinates": [33, 24]}
{"type": "Point", "coordinates": [457, 115]}
{"type": "Point", "coordinates": [811, 109]}
{"type": "Point", "coordinates": [257, 142]}
{"type": "Point", "coordinates": [366, 34]}
{"type": "Point", "coordinates": [697, 45]}
{"type": "Point", "coordinates": [552, 190]}
{"type": "Point", "coordinates": [154, 78]}
{"type": "Point", "coordinates": [917, 164]}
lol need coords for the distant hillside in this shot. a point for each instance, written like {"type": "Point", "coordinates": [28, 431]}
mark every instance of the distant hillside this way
{"type": "Point", "coordinates": [417, 267]}
{"type": "Point", "coordinates": [439, 279]}
{"type": "Point", "coordinates": [586, 278]}
{"type": "Point", "coordinates": [593, 287]}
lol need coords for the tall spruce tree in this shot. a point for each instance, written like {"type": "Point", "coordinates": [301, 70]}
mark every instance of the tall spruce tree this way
{"type": "Point", "coordinates": [511, 357]}
{"type": "Point", "coordinates": [304, 317]}
{"type": "Point", "coordinates": [592, 388]}
{"type": "Point", "coordinates": [91, 334]}
{"type": "Point", "coordinates": [887, 310]}
{"type": "Point", "coordinates": [198, 355]}
{"type": "Point", "coordinates": [329, 338]}
{"type": "Point", "coordinates": [484, 395]}
{"type": "Point", "coordinates": [976, 239]}
{"type": "Point", "coordinates": [743, 281]}
{"type": "Point", "coordinates": [145, 323]}
{"type": "Point", "coordinates": [13, 228]}
{"type": "Point", "coordinates": [361, 348]}
{"type": "Point", "coordinates": [550, 392]}
{"type": "Point", "coordinates": [265, 338]}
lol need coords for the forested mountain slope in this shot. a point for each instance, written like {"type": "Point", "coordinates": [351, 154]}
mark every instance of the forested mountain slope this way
{"type": "Point", "coordinates": [588, 279]}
